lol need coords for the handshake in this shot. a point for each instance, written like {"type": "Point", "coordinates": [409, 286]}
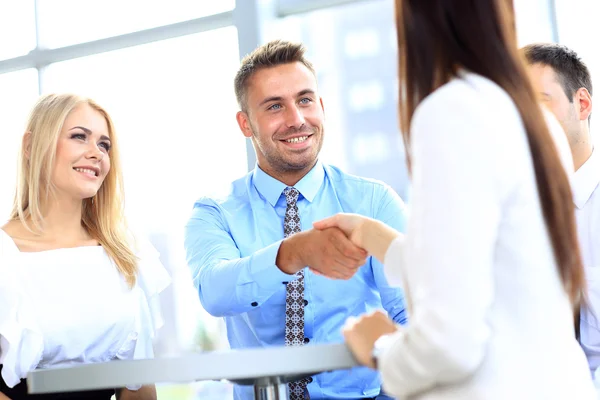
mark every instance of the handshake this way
{"type": "Point", "coordinates": [336, 247]}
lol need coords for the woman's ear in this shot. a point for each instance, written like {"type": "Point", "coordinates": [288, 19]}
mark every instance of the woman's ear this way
{"type": "Point", "coordinates": [27, 145]}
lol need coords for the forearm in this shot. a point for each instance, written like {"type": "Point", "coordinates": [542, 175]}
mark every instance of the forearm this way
{"type": "Point", "coordinates": [232, 287]}
{"type": "Point", "coordinates": [3, 396]}
{"type": "Point", "coordinates": [377, 237]}
{"type": "Point", "coordinates": [147, 392]}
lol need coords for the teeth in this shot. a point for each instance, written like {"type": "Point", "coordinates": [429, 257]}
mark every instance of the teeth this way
{"type": "Point", "coordinates": [86, 171]}
{"type": "Point", "coordinates": [297, 140]}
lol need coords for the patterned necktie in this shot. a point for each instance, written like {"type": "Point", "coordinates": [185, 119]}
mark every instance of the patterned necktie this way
{"type": "Point", "coordinates": [294, 294]}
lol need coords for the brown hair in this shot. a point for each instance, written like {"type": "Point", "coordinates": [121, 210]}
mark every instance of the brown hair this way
{"type": "Point", "coordinates": [274, 53]}
{"type": "Point", "coordinates": [435, 39]}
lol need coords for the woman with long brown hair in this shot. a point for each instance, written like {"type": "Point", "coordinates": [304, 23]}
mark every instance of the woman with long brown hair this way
{"type": "Point", "coordinates": [490, 263]}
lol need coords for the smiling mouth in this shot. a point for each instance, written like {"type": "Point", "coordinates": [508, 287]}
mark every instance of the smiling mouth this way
{"type": "Point", "coordinates": [297, 139]}
{"type": "Point", "coordinates": [86, 171]}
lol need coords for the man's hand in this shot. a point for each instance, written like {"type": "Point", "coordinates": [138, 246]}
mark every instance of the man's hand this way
{"type": "Point", "coordinates": [327, 252]}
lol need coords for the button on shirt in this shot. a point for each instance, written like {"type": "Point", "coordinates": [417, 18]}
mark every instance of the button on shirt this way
{"type": "Point", "coordinates": [232, 244]}
{"type": "Point", "coordinates": [587, 202]}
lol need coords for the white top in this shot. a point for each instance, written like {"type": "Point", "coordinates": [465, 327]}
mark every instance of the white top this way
{"type": "Point", "coordinates": [587, 203]}
{"type": "Point", "coordinates": [489, 318]}
{"type": "Point", "coordinates": [72, 306]}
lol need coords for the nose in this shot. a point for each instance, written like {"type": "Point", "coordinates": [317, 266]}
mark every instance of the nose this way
{"type": "Point", "coordinates": [94, 153]}
{"type": "Point", "coordinates": [294, 118]}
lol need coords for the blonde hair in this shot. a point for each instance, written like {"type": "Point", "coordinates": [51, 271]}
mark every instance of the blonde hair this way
{"type": "Point", "coordinates": [103, 214]}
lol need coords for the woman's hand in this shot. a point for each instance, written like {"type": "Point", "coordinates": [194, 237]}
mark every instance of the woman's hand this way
{"type": "Point", "coordinates": [350, 224]}
{"type": "Point", "coordinates": [362, 333]}
{"type": "Point", "coordinates": [367, 233]}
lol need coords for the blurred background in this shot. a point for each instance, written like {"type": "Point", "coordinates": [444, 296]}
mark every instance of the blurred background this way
{"type": "Point", "coordinates": [164, 71]}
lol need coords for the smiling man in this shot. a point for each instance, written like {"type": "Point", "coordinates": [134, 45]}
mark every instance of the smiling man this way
{"type": "Point", "coordinates": [253, 255]}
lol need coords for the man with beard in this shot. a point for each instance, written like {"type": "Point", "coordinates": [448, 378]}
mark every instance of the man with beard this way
{"type": "Point", "coordinates": [255, 259]}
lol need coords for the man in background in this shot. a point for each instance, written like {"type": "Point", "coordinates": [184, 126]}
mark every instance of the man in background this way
{"type": "Point", "coordinates": [565, 86]}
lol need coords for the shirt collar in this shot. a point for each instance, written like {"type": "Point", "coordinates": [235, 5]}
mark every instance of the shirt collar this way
{"type": "Point", "coordinates": [271, 189]}
{"type": "Point", "coordinates": [585, 180]}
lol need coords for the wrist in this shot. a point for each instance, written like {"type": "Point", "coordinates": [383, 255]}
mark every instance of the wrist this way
{"type": "Point", "coordinates": [289, 259]}
{"type": "Point", "coordinates": [377, 237]}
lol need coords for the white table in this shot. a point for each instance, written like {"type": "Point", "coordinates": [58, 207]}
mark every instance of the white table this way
{"type": "Point", "coordinates": [267, 369]}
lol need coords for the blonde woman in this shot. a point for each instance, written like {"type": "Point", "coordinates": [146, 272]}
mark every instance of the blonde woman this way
{"type": "Point", "coordinates": [74, 287]}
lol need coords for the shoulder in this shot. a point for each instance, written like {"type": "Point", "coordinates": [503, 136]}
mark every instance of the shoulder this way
{"type": "Point", "coordinates": [365, 195]}
{"type": "Point", "coordinates": [348, 181]}
{"type": "Point", "coordinates": [468, 93]}
{"type": "Point", "coordinates": [467, 115]}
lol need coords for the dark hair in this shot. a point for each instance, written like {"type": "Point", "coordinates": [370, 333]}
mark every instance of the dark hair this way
{"type": "Point", "coordinates": [274, 53]}
{"type": "Point", "coordinates": [571, 71]}
{"type": "Point", "coordinates": [438, 37]}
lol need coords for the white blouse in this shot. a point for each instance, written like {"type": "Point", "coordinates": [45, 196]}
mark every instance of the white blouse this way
{"type": "Point", "coordinates": [71, 306]}
{"type": "Point", "coordinates": [489, 318]}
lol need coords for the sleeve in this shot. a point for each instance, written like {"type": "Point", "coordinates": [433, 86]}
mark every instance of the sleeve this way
{"type": "Point", "coordinates": [449, 247]}
{"type": "Point", "coordinates": [21, 342]}
{"type": "Point", "coordinates": [392, 211]}
{"type": "Point", "coordinates": [228, 284]}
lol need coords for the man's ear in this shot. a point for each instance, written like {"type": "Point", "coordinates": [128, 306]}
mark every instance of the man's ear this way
{"type": "Point", "coordinates": [27, 145]}
{"type": "Point", "coordinates": [584, 100]}
{"type": "Point", "coordinates": [243, 121]}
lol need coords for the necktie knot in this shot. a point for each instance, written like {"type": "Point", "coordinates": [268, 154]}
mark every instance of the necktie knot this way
{"type": "Point", "coordinates": [291, 195]}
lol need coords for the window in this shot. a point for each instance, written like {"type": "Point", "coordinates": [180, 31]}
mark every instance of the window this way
{"type": "Point", "coordinates": [17, 28]}
{"type": "Point", "coordinates": [173, 106]}
{"type": "Point", "coordinates": [534, 21]}
{"type": "Point", "coordinates": [68, 22]}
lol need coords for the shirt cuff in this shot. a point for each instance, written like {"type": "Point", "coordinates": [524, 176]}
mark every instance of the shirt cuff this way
{"type": "Point", "coordinates": [263, 271]}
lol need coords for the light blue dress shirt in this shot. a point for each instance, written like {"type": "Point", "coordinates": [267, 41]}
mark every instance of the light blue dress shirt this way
{"type": "Point", "coordinates": [232, 244]}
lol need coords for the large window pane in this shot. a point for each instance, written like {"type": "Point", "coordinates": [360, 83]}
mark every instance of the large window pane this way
{"type": "Point", "coordinates": [534, 21]}
{"type": "Point", "coordinates": [173, 106]}
{"type": "Point", "coordinates": [68, 22]}
{"type": "Point", "coordinates": [174, 109]}
{"type": "Point", "coordinates": [17, 28]}
{"type": "Point", "coordinates": [18, 92]}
